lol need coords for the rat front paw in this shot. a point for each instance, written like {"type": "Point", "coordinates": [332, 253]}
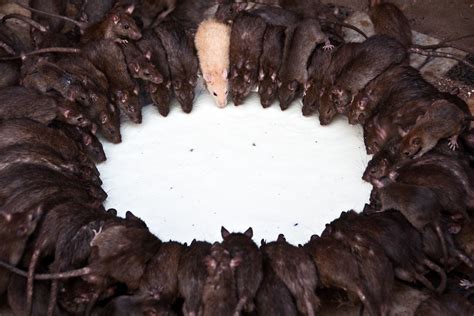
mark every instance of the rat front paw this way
{"type": "Point", "coordinates": [328, 46]}
{"type": "Point", "coordinates": [453, 142]}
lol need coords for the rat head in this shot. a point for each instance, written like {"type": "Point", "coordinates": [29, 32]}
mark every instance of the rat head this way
{"type": "Point", "coordinates": [220, 261]}
{"type": "Point", "coordinates": [311, 98]}
{"type": "Point", "coordinates": [412, 143]}
{"type": "Point", "coordinates": [128, 103]}
{"type": "Point", "coordinates": [93, 148]}
{"type": "Point", "coordinates": [161, 96]}
{"type": "Point", "coordinates": [378, 167]}
{"type": "Point", "coordinates": [340, 99]}
{"type": "Point", "coordinates": [267, 88]}
{"type": "Point", "coordinates": [241, 82]}
{"type": "Point", "coordinates": [184, 91]}
{"type": "Point", "coordinates": [69, 113]}
{"type": "Point", "coordinates": [287, 93]}
{"type": "Point", "coordinates": [109, 124]}
{"type": "Point", "coordinates": [217, 85]}
{"type": "Point", "coordinates": [228, 12]}
{"type": "Point", "coordinates": [226, 234]}
{"type": "Point", "coordinates": [123, 25]}
{"type": "Point", "coordinates": [23, 224]}
{"type": "Point", "coordinates": [358, 110]}
{"type": "Point", "coordinates": [143, 69]}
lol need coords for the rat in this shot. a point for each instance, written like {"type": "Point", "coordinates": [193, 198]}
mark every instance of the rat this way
{"type": "Point", "coordinates": [107, 56]}
{"type": "Point", "coordinates": [183, 63]}
{"type": "Point", "coordinates": [249, 273]}
{"type": "Point", "coordinates": [139, 64]}
{"type": "Point", "coordinates": [192, 276]}
{"type": "Point", "coordinates": [419, 205]}
{"type": "Point", "coordinates": [212, 41]}
{"type": "Point", "coordinates": [117, 24]}
{"type": "Point", "coordinates": [383, 161]}
{"type": "Point", "coordinates": [160, 93]}
{"type": "Point", "coordinates": [270, 63]}
{"type": "Point", "coordinates": [219, 295]}
{"type": "Point", "coordinates": [362, 69]}
{"type": "Point", "coordinates": [246, 43]}
{"type": "Point", "coordinates": [388, 19]}
{"type": "Point", "coordinates": [392, 233]}
{"type": "Point", "coordinates": [89, 143]}
{"type": "Point", "coordinates": [447, 304]}
{"type": "Point", "coordinates": [442, 120]}
{"type": "Point", "coordinates": [298, 49]}
{"type": "Point", "coordinates": [273, 297]}
{"type": "Point", "coordinates": [317, 64]}
{"type": "Point", "coordinates": [160, 280]}
{"type": "Point", "coordinates": [338, 267]}
{"type": "Point", "coordinates": [24, 131]}
{"type": "Point", "coordinates": [296, 269]}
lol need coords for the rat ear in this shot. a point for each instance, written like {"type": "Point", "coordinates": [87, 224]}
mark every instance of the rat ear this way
{"type": "Point", "coordinates": [148, 55]}
{"type": "Point", "coordinates": [224, 232]}
{"type": "Point", "coordinates": [87, 140]}
{"type": "Point", "coordinates": [6, 216]}
{"type": "Point", "coordinates": [136, 90]}
{"type": "Point", "coordinates": [402, 132]}
{"type": "Point", "coordinates": [261, 75]}
{"type": "Point", "coordinates": [314, 237]}
{"type": "Point", "coordinates": [115, 18]}
{"type": "Point", "coordinates": [249, 232]}
{"type": "Point", "coordinates": [130, 9]}
{"type": "Point", "coordinates": [225, 73]}
{"type": "Point", "coordinates": [274, 76]}
{"type": "Point", "coordinates": [281, 238]}
{"type": "Point", "coordinates": [135, 67]}
{"type": "Point", "coordinates": [207, 77]}
{"type": "Point", "coordinates": [293, 85]}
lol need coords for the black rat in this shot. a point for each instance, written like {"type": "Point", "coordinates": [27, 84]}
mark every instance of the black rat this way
{"type": "Point", "coordinates": [249, 273]}
{"type": "Point", "coordinates": [296, 269]}
{"type": "Point", "coordinates": [246, 43]}
{"type": "Point", "coordinates": [192, 276]}
{"type": "Point", "coordinates": [182, 60]}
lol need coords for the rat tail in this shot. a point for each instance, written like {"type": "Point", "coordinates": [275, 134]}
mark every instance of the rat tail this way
{"type": "Point", "coordinates": [432, 53]}
{"type": "Point", "coordinates": [65, 18]}
{"type": "Point", "coordinates": [66, 50]}
{"type": "Point", "coordinates": [25, 19]}
{"type": "Point", "coordinates": [48, 276]}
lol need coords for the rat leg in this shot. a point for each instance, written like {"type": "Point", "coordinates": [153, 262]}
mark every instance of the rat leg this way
{"type": "Point", "coordinates": [453, 142]}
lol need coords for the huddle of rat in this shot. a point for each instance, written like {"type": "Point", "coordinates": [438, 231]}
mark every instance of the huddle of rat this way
{"type": "Point", "coordinates": [64, 80]}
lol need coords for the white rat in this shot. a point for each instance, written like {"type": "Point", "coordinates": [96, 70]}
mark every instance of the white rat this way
{"type": "Point", "coordinates": [212, 44]}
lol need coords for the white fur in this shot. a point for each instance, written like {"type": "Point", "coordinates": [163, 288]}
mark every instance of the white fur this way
{"type": "Point", "coordinates": [212, 44]}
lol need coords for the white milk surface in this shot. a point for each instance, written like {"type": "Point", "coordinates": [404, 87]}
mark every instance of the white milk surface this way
{"type": "Point", "coordinates": [188, 174]}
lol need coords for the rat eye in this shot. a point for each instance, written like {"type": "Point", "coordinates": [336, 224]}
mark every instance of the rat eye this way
{"type": "Point", "coordinates": [126, 26]}
{"type": "Point", "coordinates": [215, 94]}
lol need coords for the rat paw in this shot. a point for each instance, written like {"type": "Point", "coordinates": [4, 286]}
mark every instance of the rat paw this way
{"type": "Point", "coordinates": [328, 46]}
{"type": "Point", "coordinates": [121, 41]}
{"type": "Point", "coordinates": [466, 284]}
{"type": "Point", "coordinates": [453, 142]}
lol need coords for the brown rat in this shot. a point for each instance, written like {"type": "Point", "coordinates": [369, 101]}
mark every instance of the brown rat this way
{"type": "Point", "coordinates": [160, 279]}
{"type": "Point", "coordinates": [182, 60]}
{"type": "Point", "coordinates": [219, 295]}
{"type": "Point", "coordinates": [388, 19]}
{"type": "Point", "coordinates": [192, 276]}
{"type": "Point", "coordinates": [296, 269]}
{"type": "Point", "coordinates": [248, 274]}
{"type": "Point", "coordinates": [298, 49]}
{"type": "Point", "coordinates": [246, 43]}
{"type": "Point", "coordinates": [270, 63]}
{"type": "Point", "coordinates": [442, 120]}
